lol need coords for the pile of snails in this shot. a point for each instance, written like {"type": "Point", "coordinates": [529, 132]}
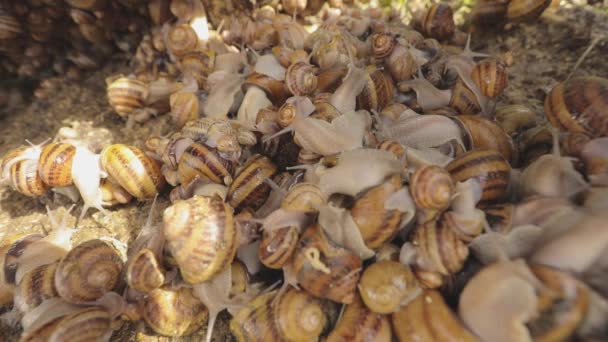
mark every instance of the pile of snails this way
{"type": "Point", "coordinates": [358, 182]}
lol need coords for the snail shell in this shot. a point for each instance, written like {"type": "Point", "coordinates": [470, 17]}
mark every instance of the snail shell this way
{"type": "Point", "coordinates": [9, 25]}
{"type": "Point", "coordinates": [487, 166]}
{"type": "Point", "coordinates": [579, 106]}
{"type": "Point", "coordinates": [383, 44]}
{"type": "Point", "coordinates": [201, 236]}
{"type": "Point", "coordinates": [184, 107]}
{"type": "Point", "coordinates": [35, 287]}
{"type": "Point", "coordinates": [133, 170]}
{"type": "Point", "coordinates": [127, 94]}
{"type": "Point", "coordinates": [300, 79]}
{"type": "Point", "coordinates": [401, 64]}
{"type": "Point", "coordinates": [482, 133]}
{"type": "Point", "coordinates": [376, 223]}
{"type": "Point", "coordinates": [197, 65]}
{"type": "Point", "coordinates": [249, 188]}
{"type": "Point", "coordinates": [464, 99]}
{"type": "Point", "coordinates": [491, 75]}
{"type": "Point", "coordinates": [526, 10]}
{"type": "Point", "coordinates": [431, 187]}
{"type": "Point", "coordinates": [26, 179]}
{"type": "Point", "coordinates": [87, 324]}
{"type": "Point", "coordinates": [385, 286]}
{"type": "Point", "coordinates": [143, 271]}
{"type": "Point", "coordinates": [204, 162]}
{"type": "Point", "coordinates": [112, 193]}
{"type": "Point", "coordinates": [55, 164]}
{"type": "Point", "coordinates": [439, 249]}
{"type": "Point", "coordinates": [428, 318]}
{"type": "Point", "coordinates": [324, 269]}
{"type": "Point", "coordinates": [516, 117]}
{"type": "Point", "coordinates": [306, 197]}
{"type": "Point", "coordinates": [378, 91]}
{"type": "Point", "coordinates": [88, 271]}
{"type": "Point", "coordinates": [174, 312]}
{"type": "Point", "coordinates": [286, 114]}
{"type": "Point", "coordinates": [255, 322]}
{"type": "Point", "coordinates": [438, 22]}
{"type": "Point", "coordinates": [299, 316]}
{"type": "Point", "coordinates": [277, 246]}
{"type": "Point", "coordinates": [181, 39]}
{"type": "Point", "coordinates": [358, 323]}
{"type": "Point", "coordinates": [276, 90]}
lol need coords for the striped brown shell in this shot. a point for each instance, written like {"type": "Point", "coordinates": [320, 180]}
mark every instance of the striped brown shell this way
{"type": "Point", "coordinates": [286, 114]}
{"type": "Point", "coordinates": [144, 273]}
{"type": "Point", "coordinates": [249, 188]}
{"type": "Point", "coordinates": [358, 323]}
{"type": "Point", "coordinates": [276, 90]}
{"type": "Point", "coordinates": [301, 79]}
{"type": "Point", "coordinates": [255, 322]}
{"type": "Point", "coordinates": [299, 316]}
{"type": "Point", "coordinates": [438, 22]}
{"type": "Point", "coordinates": [489, 12]}
{"type": "Point", "coordinates": [377, 224]}
{"type": "Point", "coordinates": [491, 76]}
{"type": "Point", "coordinates": [526, 10]}
{"type": "Point", "coordinates": [325, 269]}
{"type": "Point", "coordinates": [86, 324]}
{"type": "Point", "coordinates": [201, 161]}
{"type": "Point", "coordinates": [488, 167]}
{"type": "Point", "coordinates": [428, 318]}
{"type": "Point", "coordinates": [305, 197]}
{"type": "Point", "coordinates": [184, 107]}
{"type": "Point", "coordinates": [132, 169]}
{"type": "Point", "coordinates": [383, 44]}
{"type": "Point", "coordinates": [9, 25]}
{"type": "Point", "coordinates": [201, 235]}
{"type": "Point", "coordinates": [88, 271]}
{"type": "Point", "coordinates": [26, 179]}
{"type": "Point", "coordinates": [479, 132]}
{"type": "Point", "coordinates": [174, 312]}
{"type": "Point", "coordinates": [35, 287]}
{"type": "Point", "coordinates": [439, 249]}
{"type": "Point", "coordinates": [387, 285]}
{"type": "Point", "coordinates": [126, 95]}
{"type": "Point", "coordinates": [277, 246]}
{"type": "Point", "coordinates": [181, 39]}
{"type": "Point", "coordinates": [378, 91]}
{"type": "Point", "coordinates": [401, 63]}
{"type": "Point", "coordinates": [463, 99]}
{"type": "Point", "coordinates": [563, 304]}
{"type": "Point", "coordinates": [578, 105]}
{"type": "Point", "coordinates": [431, 187]}
{"type": "Point", "coordinates": [55, 164]}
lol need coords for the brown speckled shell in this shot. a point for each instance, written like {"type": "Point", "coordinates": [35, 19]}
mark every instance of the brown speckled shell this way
{"type": "Point", "coordinates": [489, 167]}
{"type": "Point", "coordinates": [55, 164]}
{"type": "Point", "coordinates": [340, 285]}
{"type": "Point", "coordinates": [132, 169]}
{"type": "Point", "coordinates": [201, 235]}
{"type": "Point", "coordinates": [579, 105]}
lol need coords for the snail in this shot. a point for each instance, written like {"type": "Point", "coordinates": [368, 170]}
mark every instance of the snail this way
{"type": "Point", "coordinates": [526, 10]}
{"type": "Point", "coordinates": [437, 22]}
{"type": "Point", "coordinates": [431, 188]}
{"type": "Point", "coordinates": [482, 133]}
{"type": "Point", "coordinates": [359, 323]}
{"type": "Point", "coordinates": [300, 79]}
{"type": "Point", "coordinates": [491, 76]}
{"type": "Point", "coordinates": [198, 222]}
{"type": "Point", "coordinates": [249, 188]}
{"type": "Point", "coordinates": [386, 286]}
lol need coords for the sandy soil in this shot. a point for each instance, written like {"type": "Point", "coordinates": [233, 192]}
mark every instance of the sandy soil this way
{"type": "Point", "coordinates": [545, 53]}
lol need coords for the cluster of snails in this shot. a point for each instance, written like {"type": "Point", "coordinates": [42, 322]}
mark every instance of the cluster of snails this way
{"type": "Point", "coordinates": [39, 38]}
{"type": "Point", "coordinates": [107, 176]}
{"type": "Point", "coordinates": [353, 183]}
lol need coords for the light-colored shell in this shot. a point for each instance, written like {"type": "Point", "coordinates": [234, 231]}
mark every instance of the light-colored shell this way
{"type": "Point", "coordinates": [127, 94]}
{"type": "Point", "coordinates": [299, 316]}
{"type": "Point", "coordinates": [174, 312]}
{"type": "Point", "coordinates": [300, 79]}
{"type": "Point", "coordinates": [184, 107]}
{"type": "Point", "coordinates": [428, 318]}
{"type": "Point", "coordinates": [431, 187]}
{"type": "Point", "coordinates": [386, 286]}
{"type": "Point", "coordinates": [132, 169]}
{"type": "Point", "coordinates": [87, 324]}
{"type": "Point", "coordinates": [526, 10]}
{"type": "Point", "coordinates": [277, 246]}
{"type": "Point", "coordinates": [383, 44]}
{"type": "Point", "coordinates": [201, 236]}
{"type": "Point", "coordinates": [306, 197]}
{"type": "Point", "coordinates": [55, 164]}
{"type": "Point", "coordinates": [89, 271]}
{"type": "Point", "coordinates": [144, 272]}
{"type": "Point", "coordinates": [181, 39]}
{"type": "Point", "coordinates": [358, 323]}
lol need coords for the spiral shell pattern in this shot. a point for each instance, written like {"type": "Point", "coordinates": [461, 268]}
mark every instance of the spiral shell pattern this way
{"type": "Point", "coordinates": [55, 164]}
{"type": "Point", "coordinates": [249, 188]}
{"type": "Point", "coordinates": [127, 94]}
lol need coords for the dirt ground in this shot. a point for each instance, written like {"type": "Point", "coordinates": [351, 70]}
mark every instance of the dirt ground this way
{"type": "Point", "coordinates": [545, 53]}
